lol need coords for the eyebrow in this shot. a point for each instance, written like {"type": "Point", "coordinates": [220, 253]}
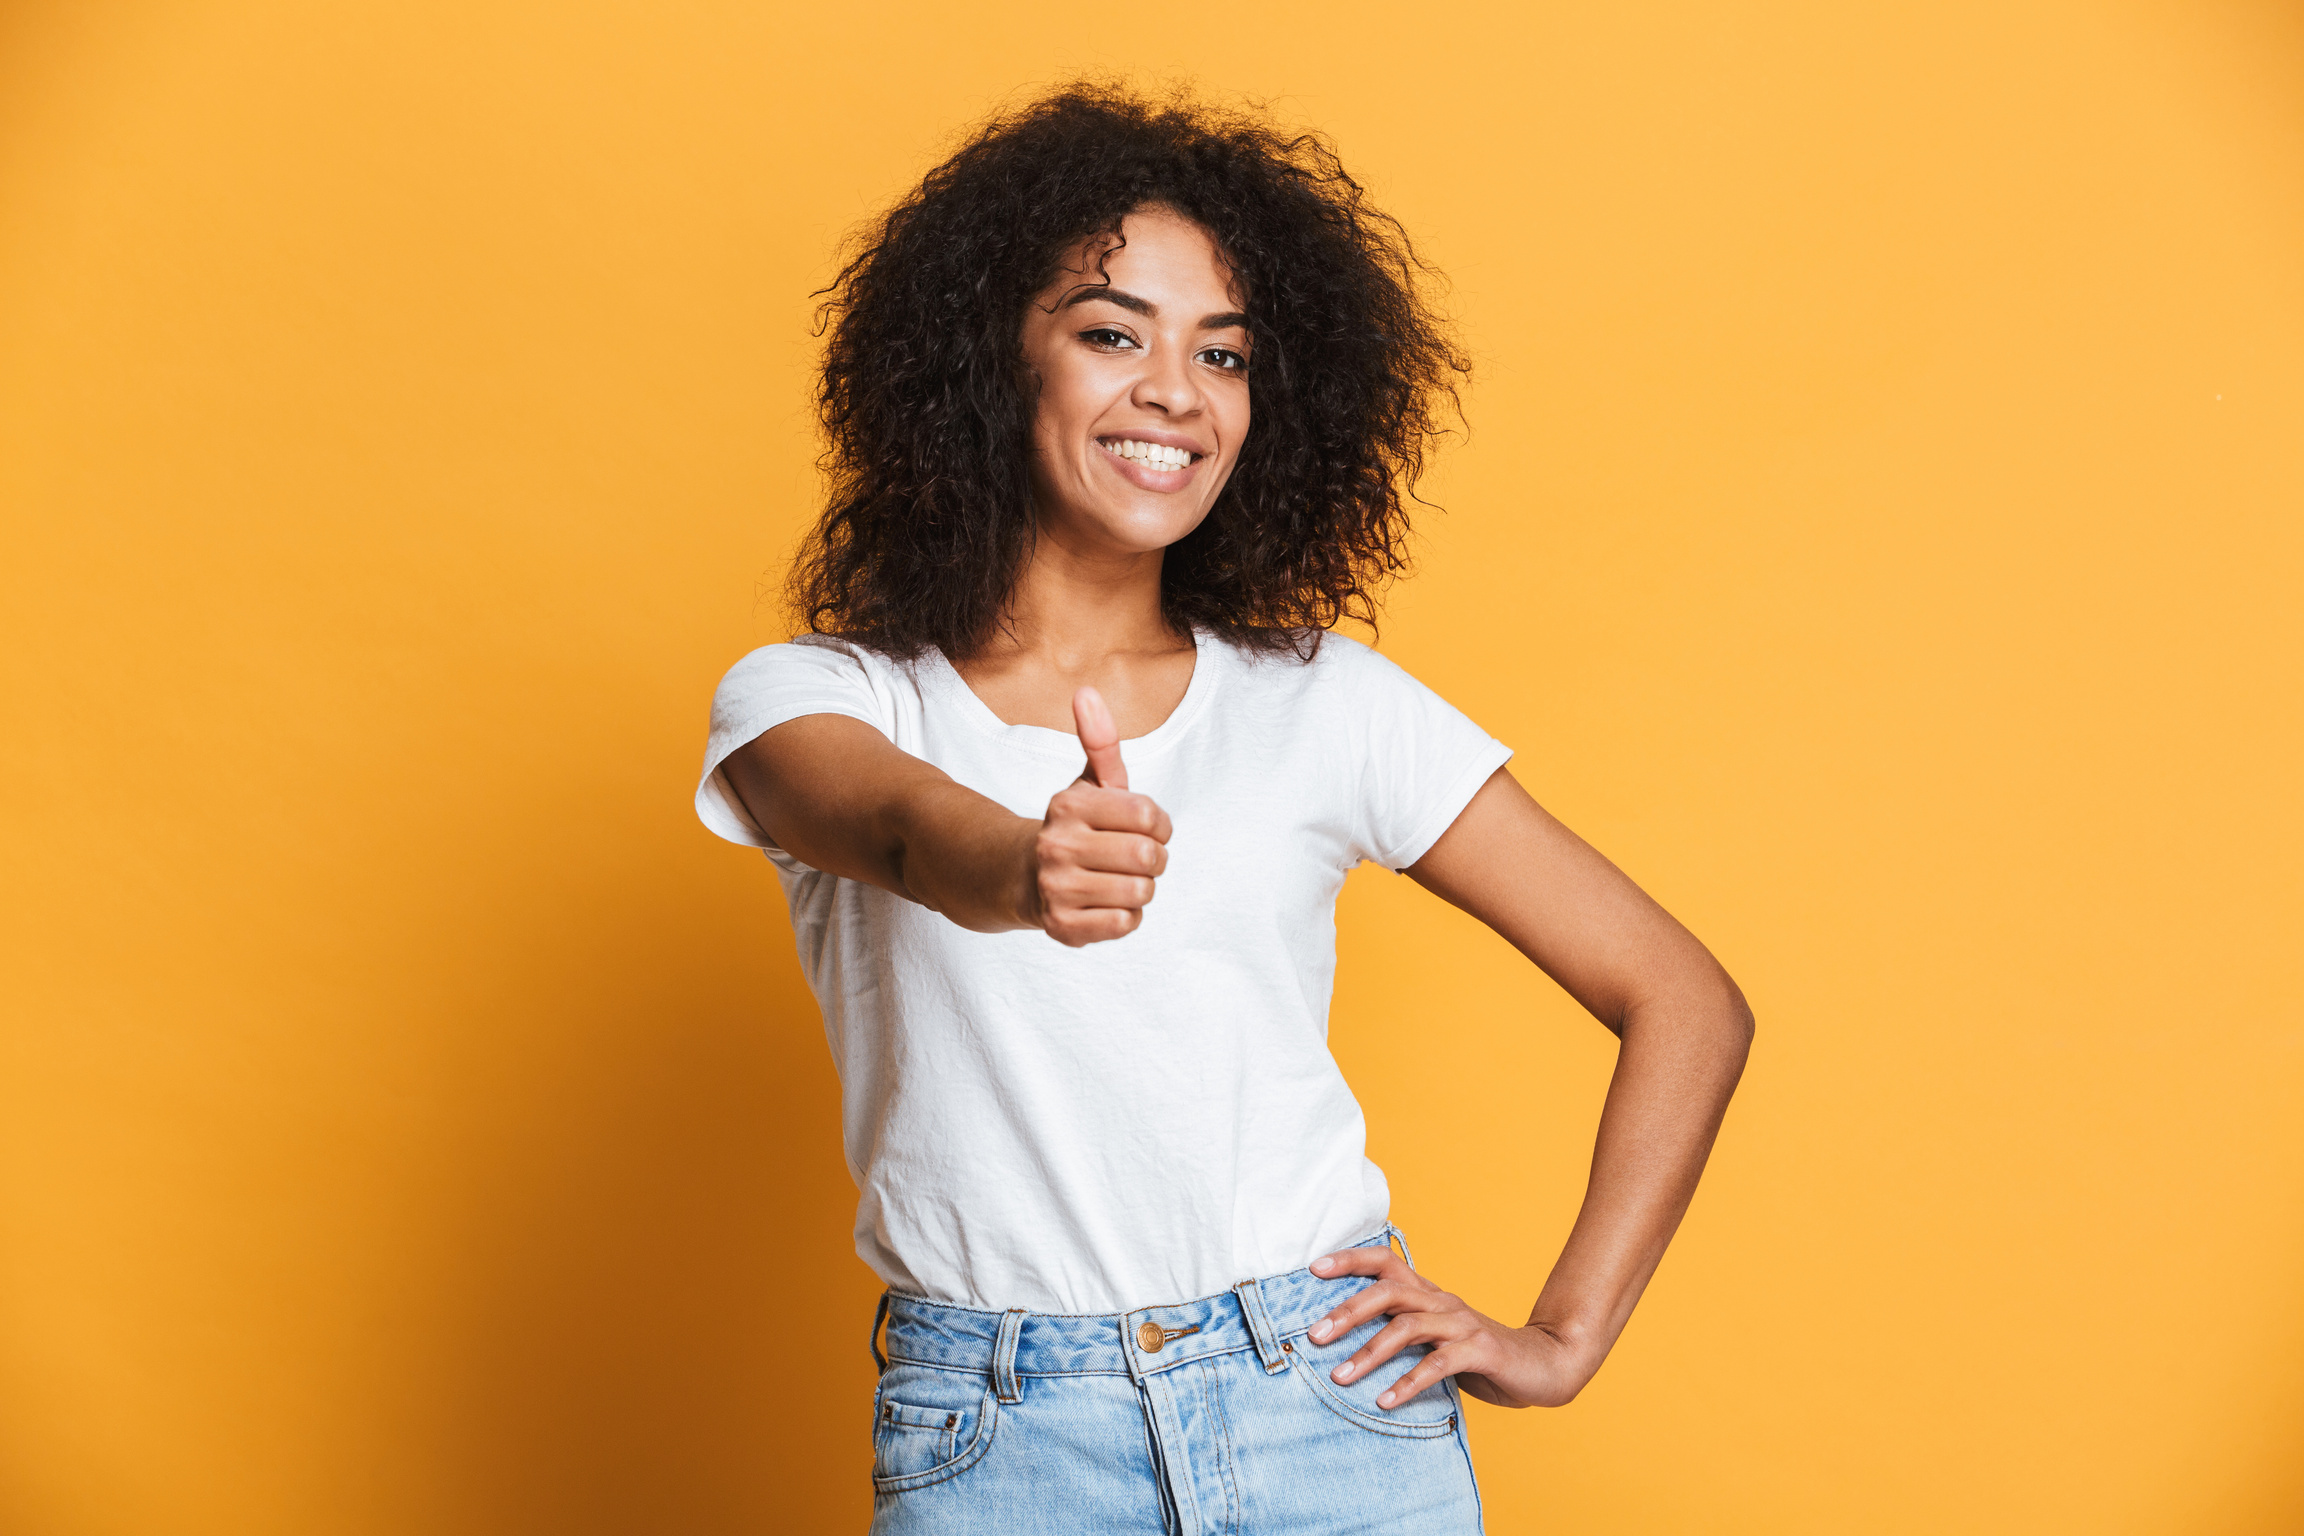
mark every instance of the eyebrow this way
{"type": "Point", "coordinates": [1129, 301]}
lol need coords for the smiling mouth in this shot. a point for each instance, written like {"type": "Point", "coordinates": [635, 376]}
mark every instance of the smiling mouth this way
{"type": "Point", "coordinates": [1153, 456]}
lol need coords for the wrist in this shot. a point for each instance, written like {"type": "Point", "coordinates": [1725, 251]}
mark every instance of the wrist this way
{"type": "Point", "coordinates": [1024, 882]}
{"type": "Point", "coordinates": [1580, 1343]}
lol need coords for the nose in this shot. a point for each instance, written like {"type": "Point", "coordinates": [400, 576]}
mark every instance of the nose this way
{"type": "Point", "coordinates": [1167, 383]}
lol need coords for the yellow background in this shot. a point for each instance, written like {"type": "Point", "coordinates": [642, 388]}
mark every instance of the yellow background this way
{"type": "Point", "coordinates": [1878, 531]}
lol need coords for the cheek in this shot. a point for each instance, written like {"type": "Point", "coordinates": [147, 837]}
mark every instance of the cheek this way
{"type": "Point", "coordinates": [1235, 432]}
{"type": "Point", "coordinates": [1050, 459]}
{"type": "Point", "coordinates": [1069, 398]}
{"type": "Point", "coordinates": [1235, 423]}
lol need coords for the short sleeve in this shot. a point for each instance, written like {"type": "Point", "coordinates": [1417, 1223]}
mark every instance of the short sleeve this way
{"type": "Point", "coordinates": [1422, 761]}
{"type": "Point", "coordinates": [813, 675]}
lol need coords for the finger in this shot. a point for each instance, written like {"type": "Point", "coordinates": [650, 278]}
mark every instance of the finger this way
{"type": "Point", "coordinates": [1428, 1372]}
{"type": "Point", "coordinates": [1085, 890]}
{"type": "Point", "coordinates": [1118, 853]}
{"type": "Point", "coordinates": [1112, 810]}
{"type": "Point", "coordinates": [1378, 1260]}
{"type": "Point", "coordinates": [1100, 738]}
{"type": "Point", "coordinates": [1397, 1335]}
{"type": "Point", "coordinates": [1348, 1314]}
{"type": "Point", "coordinates": [1093, 925]}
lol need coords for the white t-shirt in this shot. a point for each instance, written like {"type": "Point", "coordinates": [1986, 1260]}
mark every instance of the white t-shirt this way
{"type": "Point", "coordinates": [1141, 1121]}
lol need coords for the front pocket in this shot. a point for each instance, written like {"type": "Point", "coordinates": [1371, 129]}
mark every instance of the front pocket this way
{"type": "Point", "coordinates": [928, 1425]}
{"type": "Point", "coordinates": [907, 1440]}
{"type": "Point", "coordinates": [1428, 1415]}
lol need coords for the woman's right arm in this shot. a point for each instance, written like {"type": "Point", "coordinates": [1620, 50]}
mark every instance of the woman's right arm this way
{"type": "Point", "coordinates": [839, 796]}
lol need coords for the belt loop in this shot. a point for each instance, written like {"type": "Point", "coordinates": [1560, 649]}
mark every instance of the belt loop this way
{"type": "Point", "coordinates": [1004, 1383]}
{"type": "Point", "coordinates": [1251, 1294]}
{"type": "Point", "coordinates": [873, 1338]}
{"type": "Point", "coordinates": [1395, 1235]}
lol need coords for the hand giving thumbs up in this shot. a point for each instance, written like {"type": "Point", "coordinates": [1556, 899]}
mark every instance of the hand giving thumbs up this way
{"type": "Point", "coordinates": [1100, 847]}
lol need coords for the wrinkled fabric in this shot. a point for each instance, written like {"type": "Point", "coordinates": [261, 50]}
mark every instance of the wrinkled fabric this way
{"type": "Point", "coordinates": [1088, 1130]}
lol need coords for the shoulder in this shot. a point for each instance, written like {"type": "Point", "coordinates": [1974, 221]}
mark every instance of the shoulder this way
{"type": "Point", "coordinates": [812, 658]}
{"type": "Point", "coordinates": [1343, 686]}
{"type": "Point", "coordinates": [810, 674]}
{"type": "Point", "coordinates": [1339, 666]}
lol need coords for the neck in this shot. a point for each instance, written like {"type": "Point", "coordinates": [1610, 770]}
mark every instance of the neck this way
{"type": "Point", "coordinates": [1077, 607]}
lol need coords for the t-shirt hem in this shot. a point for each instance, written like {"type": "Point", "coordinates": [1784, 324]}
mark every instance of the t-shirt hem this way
{"type": "Point", "coordinates": [910, 1289]}
{"type": "Point", "coordinates": [717, 806]}
{"type": "Point", "coordinates": [1461, 789]}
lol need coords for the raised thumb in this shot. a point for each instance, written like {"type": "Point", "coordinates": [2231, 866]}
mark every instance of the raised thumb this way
{"type": "Point", "coordinates": [1100, 738]}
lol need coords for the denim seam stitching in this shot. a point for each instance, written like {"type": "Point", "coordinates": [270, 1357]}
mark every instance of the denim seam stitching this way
{"type": "Point", "coordinates": [988, 1423]}
{"type": "Point", "coordinates": [1166, 1386]}
{"type": "Point", "coordinates": [979, 1370]}
{"type": "Point", "coordinates": [1215, 1395]}
{"type": "Point", "coordinates": [1464, 1447]}
{"type": "Point", "coordinates": [1398, 1429]}
{"type": "Point", "coordinates": [1214, 1354]}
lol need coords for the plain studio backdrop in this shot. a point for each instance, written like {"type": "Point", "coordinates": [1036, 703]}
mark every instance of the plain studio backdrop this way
{"type": "Point", "coordinates": [1878, 531]}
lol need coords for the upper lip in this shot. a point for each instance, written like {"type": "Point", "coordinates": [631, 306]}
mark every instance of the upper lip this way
{"type": "Point", "coordinates": [1153, 435]}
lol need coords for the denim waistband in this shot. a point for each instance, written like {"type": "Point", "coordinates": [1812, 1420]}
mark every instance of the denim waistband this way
{"type": "Point", "coordinates": [1255, 1314]}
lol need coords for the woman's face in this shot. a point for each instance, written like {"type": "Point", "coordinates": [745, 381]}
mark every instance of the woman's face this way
{"type": "Point", "coordinates": [1142, 361]}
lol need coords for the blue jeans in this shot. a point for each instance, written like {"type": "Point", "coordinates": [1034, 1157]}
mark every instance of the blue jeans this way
{"type": "Point", "coordinates": [1207, 1417]}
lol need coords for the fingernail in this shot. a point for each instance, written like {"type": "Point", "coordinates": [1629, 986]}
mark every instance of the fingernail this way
{"type": "Point", "coordinates": [1344, 1371]}
{"type": "Point", "coordinates": [1320, 1329]}
{"type": "Point", "coordinates": [1383, 1399]}
{"type": "Point", "coordinates": [1322, 1266]}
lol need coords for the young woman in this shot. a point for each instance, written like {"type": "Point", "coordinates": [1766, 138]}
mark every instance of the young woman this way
{"type": "Point", "coordinates": [1123, 406]}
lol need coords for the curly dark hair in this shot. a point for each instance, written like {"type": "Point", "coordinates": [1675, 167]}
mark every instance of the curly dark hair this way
{"type": "Point", "coordinates": [923, 371]}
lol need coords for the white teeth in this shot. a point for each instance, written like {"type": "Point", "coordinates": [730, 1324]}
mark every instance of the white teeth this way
{"type": "Point", "coordinates": [1153, 455]}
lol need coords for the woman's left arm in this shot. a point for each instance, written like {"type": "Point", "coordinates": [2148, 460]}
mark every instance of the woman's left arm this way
{"type": "Point", "coordinates": [1685, 1032]}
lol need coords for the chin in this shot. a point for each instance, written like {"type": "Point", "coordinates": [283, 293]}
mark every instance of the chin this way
{"type": "Point", "coordinates": [1149, 531]}
{"type": "Point", "coordinates": [1141, 530]}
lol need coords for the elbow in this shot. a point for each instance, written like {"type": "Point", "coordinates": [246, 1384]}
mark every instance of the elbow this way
{"type": "Point", "coordinates": [1737, 1025]}
{"type": "Point", "coordinates": [1706, 1013]}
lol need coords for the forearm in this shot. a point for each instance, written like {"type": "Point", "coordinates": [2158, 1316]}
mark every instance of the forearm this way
{"type": "Point", "coordinates": [836, 795]}
{"type": "Point", "coordinates": [960, 854]}
{"type": "Point", "coordinates": [1680, 1061]}
{"type": "Point", "coordinates": [840, 797]}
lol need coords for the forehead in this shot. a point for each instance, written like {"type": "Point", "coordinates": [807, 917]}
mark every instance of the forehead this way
{"type": "Point", "coordinates": [1157, 249]}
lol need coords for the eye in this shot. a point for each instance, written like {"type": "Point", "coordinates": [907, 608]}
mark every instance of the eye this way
{"type": "Point", "coordinates": [1224, 358]}
{"type": "Point", "coordinates": [1107, 338]}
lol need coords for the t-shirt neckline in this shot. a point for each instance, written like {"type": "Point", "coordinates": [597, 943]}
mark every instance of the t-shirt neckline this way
{"type": "Point", "coordinates": [1043, 741]}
